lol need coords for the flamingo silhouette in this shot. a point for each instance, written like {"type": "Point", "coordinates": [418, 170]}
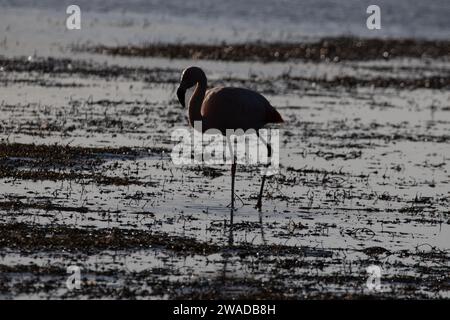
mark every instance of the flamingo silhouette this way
{"type": "Point", "coordinates": [225, 108]}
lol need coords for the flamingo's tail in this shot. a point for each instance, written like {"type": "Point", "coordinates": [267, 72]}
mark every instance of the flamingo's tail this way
{"type": "Point", "coordinates": [273, 116]}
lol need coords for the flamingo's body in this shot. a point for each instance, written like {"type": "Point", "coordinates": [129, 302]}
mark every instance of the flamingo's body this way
{"type": "Point", "coordinates": [225, 108]}
{"type": "Point", "coordinates": [236, 108]}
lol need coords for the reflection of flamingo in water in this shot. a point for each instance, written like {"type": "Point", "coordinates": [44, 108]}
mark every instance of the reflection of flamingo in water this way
{"type": "Point", "coordinates": [225, 108]}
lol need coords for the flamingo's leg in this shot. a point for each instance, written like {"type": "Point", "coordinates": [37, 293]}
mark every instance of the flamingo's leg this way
{"type": "Point", "coordinates": [262, 227]}
{"type": "Point", "coordinates": [238, 197]}
{"type": "Point", "coordinates": [269, 155]}
{"type": "Point", "coordinates": [233, 174]}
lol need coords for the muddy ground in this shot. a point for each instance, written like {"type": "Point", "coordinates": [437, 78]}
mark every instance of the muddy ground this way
{"type": "Point", "coordinates": [87, 179]}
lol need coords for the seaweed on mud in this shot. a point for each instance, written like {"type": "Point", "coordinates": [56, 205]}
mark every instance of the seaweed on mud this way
{"type": "Point", "coordinates": [388, 137]}
{"type": "Point", "coordinates": [60, 66]}
{"type": "Point", "coordinates": [375, 251]}
{"type": "Point", "coordinates": [246, 225]}
{"type": "Point", "coordinates": [79, 177]}
{"type": "Point", "coordinates": [433, 82]}
{"type": "Point", "coordinates": [57, 152]}
{"type": "Point", "coordinates": [328, 155]}
{"type": "Point", "coordinates": [32, 268]}
{"type": "Point", "coordinates": [32, 237]}
{"type": "Point", "coordinates": [328, 49]}
{"type": "Point", "coordinates": [46, 206]}
{"type": "Point", "coordinates": [68, 155]}
{"type": "Point", "coordinates": [40, 82]}
{"type": "Point", "coordinates": [248, 249]}
{"type": "Point", "coordinates": [208, 171]}
{"type": "Point", "coordinates": [415, 209]}
{"type": "Point", "coordinates": [359, 233]}
{"type": "Point", "coordinates": [311, 170]}
{"type": "Point", "coordinates": [228, 286]}
{"type": "Point", "coordinates": [66, 163]}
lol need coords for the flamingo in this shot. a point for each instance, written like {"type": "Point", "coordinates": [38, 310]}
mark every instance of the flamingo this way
{"type": "Point", "coordinates": [223, 108]}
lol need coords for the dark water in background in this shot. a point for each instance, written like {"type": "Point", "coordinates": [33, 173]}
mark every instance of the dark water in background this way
{"type": "Point", "coordinates": [304, 18]}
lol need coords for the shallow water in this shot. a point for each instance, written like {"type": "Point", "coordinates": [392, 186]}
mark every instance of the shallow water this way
{"type": "Point", "coordinates": [38, 27]}
{"type": "Point", "coordinates": [364, 176]}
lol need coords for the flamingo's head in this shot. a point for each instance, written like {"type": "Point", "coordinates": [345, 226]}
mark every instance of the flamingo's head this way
{"type": "Point", "coordinates": [189, 78]}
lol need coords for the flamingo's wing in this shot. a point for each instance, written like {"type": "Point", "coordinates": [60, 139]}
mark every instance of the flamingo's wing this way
{"type": "Point", "coordinates": [236, 108]}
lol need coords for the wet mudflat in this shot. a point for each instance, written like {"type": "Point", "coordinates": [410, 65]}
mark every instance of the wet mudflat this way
{"type": "Point", "coordinates": [87, 178]}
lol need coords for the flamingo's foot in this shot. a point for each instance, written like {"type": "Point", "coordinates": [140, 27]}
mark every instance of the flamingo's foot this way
{"type": "Point", "coordinates": [258, 205]}
{"type": "Point", "coordinates": [239, 198]}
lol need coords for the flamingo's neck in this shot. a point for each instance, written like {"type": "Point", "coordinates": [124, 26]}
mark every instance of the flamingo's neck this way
{"type": "Point", "coordinates": [195, 104]}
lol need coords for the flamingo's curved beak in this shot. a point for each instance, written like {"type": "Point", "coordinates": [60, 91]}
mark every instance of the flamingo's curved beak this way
{"type": "Point", "coordinates": [180, 94]}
